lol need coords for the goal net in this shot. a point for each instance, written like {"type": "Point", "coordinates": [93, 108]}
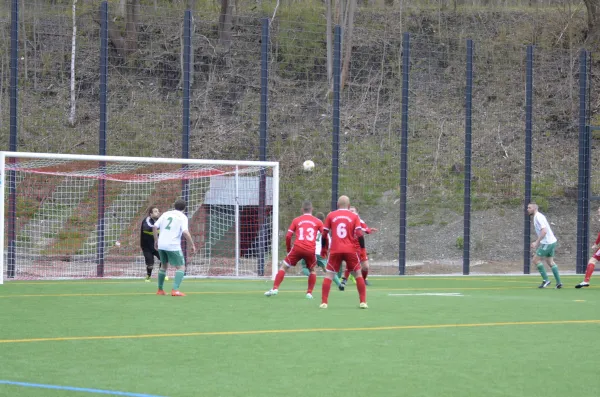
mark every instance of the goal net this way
{"type": "Point", "coordinates": [76, 216]}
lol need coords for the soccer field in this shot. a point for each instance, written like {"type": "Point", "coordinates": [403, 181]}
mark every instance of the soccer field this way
{"type": "Point", "coordinates": [421, 336]}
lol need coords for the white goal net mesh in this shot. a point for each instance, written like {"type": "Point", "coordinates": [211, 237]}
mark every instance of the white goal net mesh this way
{"type": "Point", "coordinates": [66, 218]}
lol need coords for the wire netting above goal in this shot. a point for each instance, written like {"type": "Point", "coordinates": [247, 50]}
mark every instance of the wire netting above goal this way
{"type": "Point", "coordinates": [74, 216]}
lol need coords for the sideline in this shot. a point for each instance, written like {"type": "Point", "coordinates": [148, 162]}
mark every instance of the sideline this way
{"type": "Point", "coordinates": [79, 389]}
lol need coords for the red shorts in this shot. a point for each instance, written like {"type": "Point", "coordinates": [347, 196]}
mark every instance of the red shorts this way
{"type": "Point", "coordinates": [296, 254]}
{"type": "Point", "coordinates": [362, 254]}
{"type": "Point", "coordinates": [335, 262]}
{"type": "Point", "coordinates": [596, 255]}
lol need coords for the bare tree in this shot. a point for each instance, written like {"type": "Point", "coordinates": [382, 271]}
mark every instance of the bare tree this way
{"type": "Point", "coordinates": [348, 42]}
{"type": "Point", "coordinates": [73, 51]}
{"type": "Point", "coordinates": [131, 25]}
{"type": "Point", "coordinates": [225, 24]}
{"type": "Point", "coordinates": [329, 43]}
{"type": "Point", "coordinates": [121, 9]}
{"type": "Point", "coordinates": [125, 44]}
{"type": "Point", "coordinates": [593, 19]}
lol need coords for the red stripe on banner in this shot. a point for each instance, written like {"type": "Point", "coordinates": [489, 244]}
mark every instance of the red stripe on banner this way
{"type": "Point", "coordinates": [128, 177]}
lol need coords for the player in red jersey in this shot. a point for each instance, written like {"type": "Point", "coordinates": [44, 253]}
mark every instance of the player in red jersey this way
{"type": "Point", "coordinates": [362, 253]}
{"type": "Point", "coordinates": [306, 227]}
{"type": "Point", "coordinates": [592, 262]}
{"type": "Point", "coordinates": [345, 230]}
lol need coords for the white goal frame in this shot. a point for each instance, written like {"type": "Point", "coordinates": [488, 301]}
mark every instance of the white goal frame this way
{"type": "Point", "coordinates": [4, 155]}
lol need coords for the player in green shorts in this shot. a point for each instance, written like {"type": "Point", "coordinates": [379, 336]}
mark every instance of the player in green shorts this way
{"type": "Point", "coordinates": [172, 224]}
{"type": "Point", "coordinates": [321, 262]}
{"type": "Point", "coordinates": [545, 245]}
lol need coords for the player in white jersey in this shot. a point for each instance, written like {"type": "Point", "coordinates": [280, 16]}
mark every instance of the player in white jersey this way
{"type": "Point", "coordinates": [545, 245]}
{"type": "Point", "coordinates": [172, 224]}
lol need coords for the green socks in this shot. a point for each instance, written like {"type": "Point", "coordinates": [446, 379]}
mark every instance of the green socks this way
{"type": "Point", "coordinates": [336, 280]}
{"type": "Point", "coordinates": [542, 271]}
{"type": "Point", "coordinates": [161, 278]}
{"type": "Point", "coordinates": [555, 272]}
{"type": "Point", "coordinates": [305, 271]}
{"type": "Point", "coordinates": [178, 279]}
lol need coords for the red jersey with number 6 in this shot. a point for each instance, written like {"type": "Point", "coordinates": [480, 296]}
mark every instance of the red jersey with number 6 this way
{"type": "Point", "coordinates": [345, 228]}
{"type": "Point", "coordinates": [305, 227]}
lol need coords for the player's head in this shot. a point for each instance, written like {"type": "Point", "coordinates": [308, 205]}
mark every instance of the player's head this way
{"type": "Point", "coordinates": [532, 208]}
{"type": "Point", "coordinates": [343, 202]}
{"type": "Point", "coordinates": [180, 204]}
{"type": "Point", "coordinates": [307, 207]}
{"type": "Point", "coordinates": [353, 209]}
{"type": "Point", "coordinates": [321, 215]}
{"type": "Point", "coordinates": [153, 212]}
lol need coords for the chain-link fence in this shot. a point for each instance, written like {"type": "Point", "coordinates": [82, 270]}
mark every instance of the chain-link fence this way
{"type": "Point", "coordinates": [58, 112]}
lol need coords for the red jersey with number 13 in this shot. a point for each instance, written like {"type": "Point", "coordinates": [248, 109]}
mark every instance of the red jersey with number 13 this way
{"type": "Point", "coordinates": [305, 227]}
{"type": "Point", "coordinates": [345, 228]}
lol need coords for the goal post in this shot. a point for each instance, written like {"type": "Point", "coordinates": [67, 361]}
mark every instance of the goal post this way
{"type": "Point", "coordinates": [77, 216]}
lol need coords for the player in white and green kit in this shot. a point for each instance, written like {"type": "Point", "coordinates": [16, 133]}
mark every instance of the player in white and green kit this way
{"type": "Point", "coordinates": [172, 224]}
{"type": "Point", "coordinates": [321, 262]}
{"type": "Point", "coordinates": [545, 245]}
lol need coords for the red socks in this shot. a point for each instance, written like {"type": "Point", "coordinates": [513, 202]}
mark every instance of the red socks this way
{"type": "Point", "coordinates": [588, 272]}
{"type": "Point", "coordinates": [364, 273]}
{"type": "Point", "coordinates": [325, 290]}
{"type": "Point", "coordinates": [362, 289]}
{"type": "Point", "coordinates": [312, 280]}
{"type": "Point", "coordinates": [346, 274]}
{"type": "Point", "coordinates": [278, 279]}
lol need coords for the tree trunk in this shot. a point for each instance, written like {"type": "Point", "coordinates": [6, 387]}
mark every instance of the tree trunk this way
{"type": "Point", "coordinates": [122, 9]}
{"type": "Point", "coordinates": [593, 20]}
{"type": "Point", "coordinates": [124, 44]}
{"type": "Point", "coordinates": [225, 24]}
{"type": "Point", "coordinates": [133, 12]}
{"type": "Point", "coordinates": [348, 42]}
{"type": "Point", "coordinates": [73, 50]}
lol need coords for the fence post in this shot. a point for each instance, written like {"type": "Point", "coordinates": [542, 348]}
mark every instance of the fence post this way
{"type": "Point", "coordinates": [102, 136]}
{"type": "Point", "coordinates": [528, 160]}
{"type": "Point", "coordinates": [468, 132]}
{"type": "Point", "coordinates": [584, 172]}
{"type": "Point", "coordinates": [264, 109]}
{"type": "Point", "coordinates": [14, 102]}
{"type": "Point", "coordinates": [404, 153]}
{"type": "Point", "coordinates": [335, 151]}
{"type": "Point", "coordinates": [185, 129]}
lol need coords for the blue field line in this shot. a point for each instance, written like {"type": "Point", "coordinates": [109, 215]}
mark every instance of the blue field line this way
{"type": "Point", "coordinates": [79, 389]}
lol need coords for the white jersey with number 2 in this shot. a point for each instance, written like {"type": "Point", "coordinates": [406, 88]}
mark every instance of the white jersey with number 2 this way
{"type": "Point", "coordinates": [540, 222]}
{"type": "Point", "coordinates": [172, 224]}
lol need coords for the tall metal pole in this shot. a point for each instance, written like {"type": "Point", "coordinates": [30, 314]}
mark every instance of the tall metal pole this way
{"type": "Point", "coordinates": [335, 150]}
{"type": "Point", "coordinates": [584, 173]}
{"type": "Point", "coordinates": [102, 136]}
{"type": "Point", "coordinates": [528, 160]}
{"type": "Point", "coordinates": [467, 182]}
{"type": "Point", "coordinates": [14, 102]}
{"type": "Point", "coordinates": [262, 183]}
{"type": "Point", "coordinates": [185, 130]}
{"type": "Point", "coordinates": [404, 153]}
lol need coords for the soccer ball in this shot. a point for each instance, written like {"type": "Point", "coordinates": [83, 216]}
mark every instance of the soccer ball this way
{"type": "Point", "coordinates": [308, 165]}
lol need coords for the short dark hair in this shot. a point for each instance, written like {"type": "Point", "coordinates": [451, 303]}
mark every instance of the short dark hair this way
{"type": "Point", "coordinates": [320, 215]}
{"type": "Point", "coordinates": [180, 204]}
{"type": "Point", "coordinates": [150, 209]}
{"type": "Point", "coordinates": [306, 206]}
